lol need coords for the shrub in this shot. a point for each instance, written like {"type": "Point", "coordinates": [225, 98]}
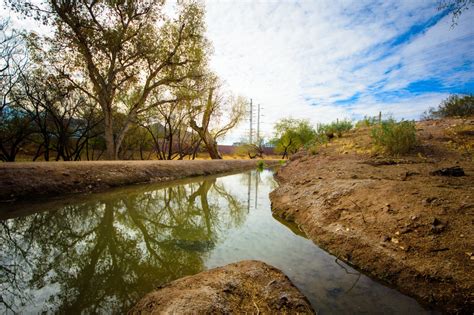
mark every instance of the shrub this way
{"type": "Point", "coordinates": [453, 106]}
{"type": "Point", "coordinates": [394, 137]}
{"type": "Point", "coordinates": [367, 121]}
{"type": "Point", "coordinates": [260, 165]}
{"type": "Point", "coordinates": [336, 128]}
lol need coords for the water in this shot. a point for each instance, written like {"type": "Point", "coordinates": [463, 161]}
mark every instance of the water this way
{"type": "Point", "coordinates": [102, 252]}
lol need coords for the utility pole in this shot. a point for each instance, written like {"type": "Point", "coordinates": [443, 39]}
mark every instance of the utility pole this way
{"type": "Point", "coordinates": [251, 121]}
{"type": "Point", "coordinates": [258, 123]}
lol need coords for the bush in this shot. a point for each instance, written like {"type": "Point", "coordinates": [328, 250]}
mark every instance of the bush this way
{"type": "Point", "coordinates": [453, 106]}
{"type": "Point", "coordinates": [336, 128]}
{"type": "Point", "coordinates": [394, 137]}
{"type": "Point", "coordinates": [367, 121]}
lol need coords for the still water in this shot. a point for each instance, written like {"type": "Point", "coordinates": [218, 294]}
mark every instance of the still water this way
{"type": "Point", "coordinates": [102, 252]}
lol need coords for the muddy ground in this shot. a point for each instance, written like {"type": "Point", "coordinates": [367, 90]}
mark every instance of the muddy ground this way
{"type": "Point", "coordinates": [246, 287]}
{"type": "Point", "coordinates": [395, 218]}
{"type": "Point", "coordinates": [30, 180]}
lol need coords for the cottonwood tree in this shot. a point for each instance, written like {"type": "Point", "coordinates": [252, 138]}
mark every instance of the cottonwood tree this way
{"type": "Point", "coordinates": [217, 113]}
{"type": "Point", "coordinates": [126, 50]}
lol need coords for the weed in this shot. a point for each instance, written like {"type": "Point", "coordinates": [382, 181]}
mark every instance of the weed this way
{"type": "Point", "coordinates": [394, 137]}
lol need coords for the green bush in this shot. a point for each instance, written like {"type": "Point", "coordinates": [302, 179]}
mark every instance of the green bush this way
{"type": "Point", "coordinates": [336, 128]}
{"type": "Point", "coordinates": [367, 121]}
{"type": "Point", "coordinates": [453, 106]}
{"type": "Point", "coordinates": [394, 137]}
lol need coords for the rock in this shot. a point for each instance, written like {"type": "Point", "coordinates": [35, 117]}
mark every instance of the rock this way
{"type": "Point", "coordinates": [427, 201]}
{"type": "Point", "coordinates": [437, 226]}
{"type": "Point", "coordinates": [455, 171]}
{"type": "Point", "coordinates": [242, 287]}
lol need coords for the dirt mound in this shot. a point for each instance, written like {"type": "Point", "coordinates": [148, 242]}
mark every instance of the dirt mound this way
{"type": "Point", "coordinates": [42, 179]}
{"type": "Point", "coordinates": [244, 287]}
{"type": "Point", "coordinates": [406, 221]}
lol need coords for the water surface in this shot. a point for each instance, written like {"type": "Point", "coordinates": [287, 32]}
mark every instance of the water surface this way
{"type": "Point", "coordinates": [102, 252]}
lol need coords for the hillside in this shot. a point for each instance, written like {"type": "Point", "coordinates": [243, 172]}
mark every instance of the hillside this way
{"type": "Point", "coordinates": [404, 220]}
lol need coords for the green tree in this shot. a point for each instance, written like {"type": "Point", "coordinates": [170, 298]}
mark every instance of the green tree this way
{"type": "Point", "coordinates": [291, 135]}
{"type": "Point", "coordinates": [454, 105]}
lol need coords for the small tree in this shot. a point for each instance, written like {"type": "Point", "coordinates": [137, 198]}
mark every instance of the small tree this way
{"type": "Point", "coordinates": [454, 105]}
{"type": "Point", "coordinates": [291, 135]}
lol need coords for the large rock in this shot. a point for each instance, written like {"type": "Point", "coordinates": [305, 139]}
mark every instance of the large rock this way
{"type": "Point", "coordinates": [242, 287]}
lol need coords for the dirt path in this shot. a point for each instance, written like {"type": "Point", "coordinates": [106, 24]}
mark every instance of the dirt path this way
{"type": "Point", "coordinates": [396, 219]}
{"type": "Point", "coordinates": [26, 181]}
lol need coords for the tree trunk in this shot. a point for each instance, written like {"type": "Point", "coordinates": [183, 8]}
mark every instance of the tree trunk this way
{"type": "Point", "coordinates": [109, 138]}
{"type": "Point", "coordinates": [211, 146]}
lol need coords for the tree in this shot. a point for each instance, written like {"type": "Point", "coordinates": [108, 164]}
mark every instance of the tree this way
{"type": "Point", "coordinates": [65, 117]}
{"type": "Point", "coordinates": [126, 50]}
{"type": "Point", "coordinates": [219, 114]}
{"type": "Point", "coordinates": [455, 7]}
{"type": "Point", "coordinates": [291, 135]}
{"type": "Point", "coordinates": [454, 105]}
{"type": "Point", "coordinates": [14, 123]}
{"type": "Point", "coordinates": [12, 61]}
{"type": "Point", "coordinates": [252, 150]}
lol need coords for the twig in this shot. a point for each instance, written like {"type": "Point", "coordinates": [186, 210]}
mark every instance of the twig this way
{"type": "Point", "coordinates": [360, 209]}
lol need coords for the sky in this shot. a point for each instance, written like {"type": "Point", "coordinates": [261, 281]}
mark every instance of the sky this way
{"type": "Point", "coordinates": [324, 60]}
{"type": "Point", "coordinates": [327, 60]}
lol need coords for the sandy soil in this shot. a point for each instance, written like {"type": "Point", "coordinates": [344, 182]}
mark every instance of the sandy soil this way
{"type": "Point", "coordinates": [395, 218]}
{"type": "Point", "coordinates": [246, 287]}
{"type": "Point", "coordinates": [26, 181]}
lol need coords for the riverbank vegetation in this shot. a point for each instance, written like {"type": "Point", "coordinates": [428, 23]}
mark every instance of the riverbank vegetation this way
{"type": "Point", "coordinates": [387, 135]}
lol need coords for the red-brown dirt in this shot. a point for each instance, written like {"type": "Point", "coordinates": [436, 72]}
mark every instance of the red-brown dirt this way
{"type": "Point", "coordinates": [392, 217]}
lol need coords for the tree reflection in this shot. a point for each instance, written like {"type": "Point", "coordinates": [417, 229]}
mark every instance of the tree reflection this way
{"type": "Point", "coordinates": [103, 255]}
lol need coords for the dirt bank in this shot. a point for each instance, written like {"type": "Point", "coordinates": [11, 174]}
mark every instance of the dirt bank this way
{"type": "Point", "coordinates": [398, 219]}
{"type": "Point", "coordinates": [20, 181]}
{"type": "Point", "coordinates": [250, 287]}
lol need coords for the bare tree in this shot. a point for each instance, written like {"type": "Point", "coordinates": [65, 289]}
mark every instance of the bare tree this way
{"type": "Point", "coordinates": [14, 124]}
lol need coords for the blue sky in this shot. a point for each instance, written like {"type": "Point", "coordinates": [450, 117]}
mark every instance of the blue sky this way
{"type": "Point", "coordinates": [323, 60]}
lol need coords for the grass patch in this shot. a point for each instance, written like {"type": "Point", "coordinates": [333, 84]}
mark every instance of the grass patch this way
{"type": "Point", "coordinates": [261, 165]}
{"type": "Point", "coordinates": [393, 137]}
